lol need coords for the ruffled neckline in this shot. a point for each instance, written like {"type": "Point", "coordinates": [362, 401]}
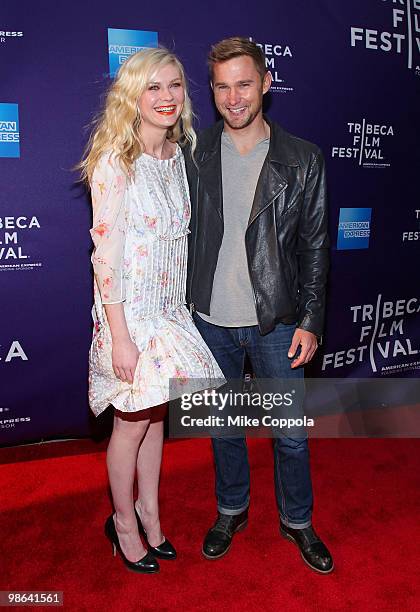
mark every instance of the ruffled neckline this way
{"type": "Point", "coordinates": [161, 162]}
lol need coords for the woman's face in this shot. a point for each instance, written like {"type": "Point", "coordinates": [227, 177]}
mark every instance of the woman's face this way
{"type": "Point", "coordinates": [162, 103]}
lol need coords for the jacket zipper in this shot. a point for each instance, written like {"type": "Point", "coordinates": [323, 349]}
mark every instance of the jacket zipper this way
{"type": "Point", "coordinates": [252, 285]}
{"type": "Point", "coordinates": [247, 257]}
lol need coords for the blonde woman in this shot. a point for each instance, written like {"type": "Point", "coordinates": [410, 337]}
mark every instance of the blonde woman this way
{"type": "Point", "coordinates": [144, 335]}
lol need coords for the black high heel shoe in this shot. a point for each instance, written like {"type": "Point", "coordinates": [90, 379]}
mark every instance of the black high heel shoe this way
{"type": "Point", "coordinates": [145, 565]}
{"type": "Point", "coordinates": [164, 551]}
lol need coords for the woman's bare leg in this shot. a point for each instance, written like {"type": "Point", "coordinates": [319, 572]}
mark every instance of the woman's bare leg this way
{"type": "Point", "coordinates": [148, 472]}
{"type": "Point", "coordinates": [122, 454]}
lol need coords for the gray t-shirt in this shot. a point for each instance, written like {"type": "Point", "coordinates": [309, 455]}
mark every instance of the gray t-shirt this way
{"type": "Point", "coordinates": [232, 300]}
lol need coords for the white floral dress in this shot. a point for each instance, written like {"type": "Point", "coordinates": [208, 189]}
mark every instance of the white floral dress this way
{"type": "Point", "coordinates": [140, 229]}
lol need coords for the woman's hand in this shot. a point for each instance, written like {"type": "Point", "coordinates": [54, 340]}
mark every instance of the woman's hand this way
{"type": "Point", "coordinates": [125, 355]}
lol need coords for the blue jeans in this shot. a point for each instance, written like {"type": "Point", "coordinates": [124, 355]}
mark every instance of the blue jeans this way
{"type": "Point", "coordinates": [292, 478]}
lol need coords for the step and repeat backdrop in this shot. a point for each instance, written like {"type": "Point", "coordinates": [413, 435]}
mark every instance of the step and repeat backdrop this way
{"type": "Point", "coordinates": [346, 75]}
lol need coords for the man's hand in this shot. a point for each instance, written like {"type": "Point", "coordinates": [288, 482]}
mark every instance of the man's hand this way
{"type": "Point", "coordinates": [308, 345]}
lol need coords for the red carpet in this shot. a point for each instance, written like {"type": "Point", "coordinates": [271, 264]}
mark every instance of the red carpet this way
{"type": "Point", "coordinates": [367, 501]}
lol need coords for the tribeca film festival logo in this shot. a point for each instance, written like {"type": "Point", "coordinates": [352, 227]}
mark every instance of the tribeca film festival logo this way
{"type": "Point", "coordinates": [9, 130]}
{"type": "Point", "coordinates": [273, 53]}
{"type": "Point", "coordinates": [366, 144]}
{"type": "Point", "coordinates": [354, 228]}
{"type": "Point", "coordinates": [381, 337]}
{"type": "Point", "coordinates": [413, 234]}
{"type": "Point", "coordinates": [6, 36]}
{"type": "Point", "coordinates": [11, 423]}
{"type": "Point", "coordinates": [12, 254]}
{"type": "Point", "coordinates": [123, 43]}
{"type": "Point", "coordinates": [7, 422]}
{"type": "Point", "coordinates": [405, 17]}
{"type": "Point", "coordinates": [12, 350]}
{"type": "Point", "coordinates": [8, 353]}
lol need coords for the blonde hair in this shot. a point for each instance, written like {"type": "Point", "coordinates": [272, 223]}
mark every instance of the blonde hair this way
{"type": "Point", "coordinates": [116, 128]}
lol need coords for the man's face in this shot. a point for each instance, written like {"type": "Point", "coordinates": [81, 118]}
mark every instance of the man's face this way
{"type": "Point", "coordinates": [238, 90]}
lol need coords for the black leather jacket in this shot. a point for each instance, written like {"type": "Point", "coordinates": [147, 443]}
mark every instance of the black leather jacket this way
{"type": "Point", "coordinates": [286, 239]}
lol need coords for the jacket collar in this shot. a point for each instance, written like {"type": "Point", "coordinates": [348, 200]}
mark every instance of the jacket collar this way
{"type": "Point", "coordinates": [278, 152]}
{"type": "Point", "coordinates": [271, 181]}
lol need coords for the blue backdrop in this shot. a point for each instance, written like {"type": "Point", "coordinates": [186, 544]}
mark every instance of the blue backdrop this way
{"type": "Point", "coordinates": [346, 76]}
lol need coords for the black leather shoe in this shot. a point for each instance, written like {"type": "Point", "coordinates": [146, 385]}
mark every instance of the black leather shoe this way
{"type": "Point", "coordinates": [219, 538]}
{"type": "Point", "coordinates": [145, 565]}
{"type": "Point", "coordinates": [164, 551]}
{"type": "Point", "coordinates": [313, 550]}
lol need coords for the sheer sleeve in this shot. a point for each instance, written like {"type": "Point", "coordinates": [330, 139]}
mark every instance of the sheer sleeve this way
{"type": "Point", "coordinates": [109, 228]}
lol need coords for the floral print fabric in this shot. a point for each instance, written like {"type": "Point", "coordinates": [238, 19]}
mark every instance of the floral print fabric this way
{"type": "Point", "coordinates": [140, 228]}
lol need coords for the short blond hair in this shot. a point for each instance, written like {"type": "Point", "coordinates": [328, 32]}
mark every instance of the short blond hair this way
{"type": "Point", "coordinates": [235, 47]}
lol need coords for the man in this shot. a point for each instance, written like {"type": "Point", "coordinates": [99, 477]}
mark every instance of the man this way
{"type": "Point", "coordinates": [258, 263]}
